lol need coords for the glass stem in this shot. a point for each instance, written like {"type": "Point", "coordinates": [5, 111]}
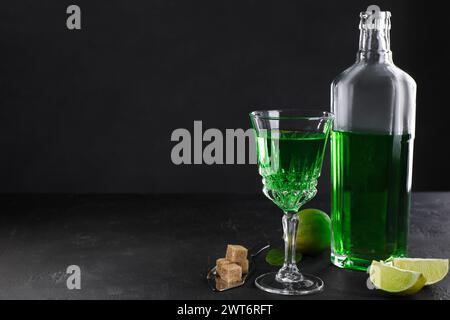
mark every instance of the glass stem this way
{"type": "Point", "coordinates": [290, 226]}
{"type": "Point", "coordinates": [289, 272]}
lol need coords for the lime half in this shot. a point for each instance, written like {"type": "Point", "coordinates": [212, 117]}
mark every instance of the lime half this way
{"type": "Point", "coordinates": [314, 231]}
{"type": "Point", "coordinates": [395, 280]}
{"type": "Point", "coordinates": [434, 270]}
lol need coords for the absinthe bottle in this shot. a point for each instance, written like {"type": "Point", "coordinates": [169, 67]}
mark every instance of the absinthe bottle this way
{"type": "Point", "coordinates": [371, 151]}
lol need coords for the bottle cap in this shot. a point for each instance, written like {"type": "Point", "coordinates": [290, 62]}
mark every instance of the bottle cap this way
{"type": "Point", "coordinates": [375, 19]}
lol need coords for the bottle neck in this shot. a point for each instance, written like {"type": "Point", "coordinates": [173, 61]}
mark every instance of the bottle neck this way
{"type": "Point", "coordinates": [374, 40]}
{"type": "Point", "coordinates": [374, 46]}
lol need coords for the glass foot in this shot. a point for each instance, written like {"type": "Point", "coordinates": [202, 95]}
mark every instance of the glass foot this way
{"type": "Point", "coordinates": [308, 285]}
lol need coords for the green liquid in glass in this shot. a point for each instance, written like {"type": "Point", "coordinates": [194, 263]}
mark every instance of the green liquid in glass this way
{"type": "Point", "coordinates": [290, 163]}
{"type": "Point", "coordinates": [371, 198]}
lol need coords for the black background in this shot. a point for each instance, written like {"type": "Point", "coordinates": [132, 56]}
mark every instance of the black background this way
{"type": "Point", "coordinates": [93, 110]}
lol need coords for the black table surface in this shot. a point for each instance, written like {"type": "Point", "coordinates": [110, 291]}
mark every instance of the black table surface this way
{"type": "Point", "coordinates": [160, 246]}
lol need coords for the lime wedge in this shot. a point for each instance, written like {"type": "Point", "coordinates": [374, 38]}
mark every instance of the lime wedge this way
{"type": "Point", "coordinates": [395, 280]}
{"type": "Point", "coordinates": [434, 270]}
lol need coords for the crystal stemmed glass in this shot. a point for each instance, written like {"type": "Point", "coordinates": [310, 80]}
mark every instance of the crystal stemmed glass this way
{"type": "Point", "coordinates": [290, 146]}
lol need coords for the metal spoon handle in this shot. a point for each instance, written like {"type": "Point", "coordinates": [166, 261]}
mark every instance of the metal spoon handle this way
{"type": "Point", "coordinates": [256, 250]}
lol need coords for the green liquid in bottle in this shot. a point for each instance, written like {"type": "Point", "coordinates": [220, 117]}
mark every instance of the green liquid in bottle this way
{"type": "Point", "coordinates": [371, 197]}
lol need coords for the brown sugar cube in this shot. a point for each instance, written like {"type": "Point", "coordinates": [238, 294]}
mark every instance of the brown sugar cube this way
{"type": "Point", "coordinates": [244, 266]}
{"type": "Point", "coordinates": [222, 261]}
{"type": "Point", "coordinates": [230, 272]}
{"type": "Point", "coordinates": [236, 253]}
